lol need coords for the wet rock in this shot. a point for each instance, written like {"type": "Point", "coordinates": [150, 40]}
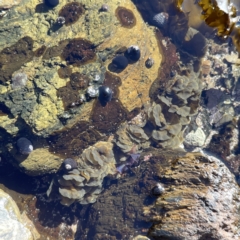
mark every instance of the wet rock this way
{"type": "Point", "coordinates": [12, 222]}
{"type": "Point", "coordinates": [35, 37]}
{"type": "Point", "coordinates": [78, 51]}
{"type": "Point", "coordinates": [39, 162]}
{"type": "Point", "coordinates": [202, 201]}
{"type": "Point", "coordinates": [213, 97]}
{"type": "Point", "coordinates": [71, 141]}
{"type": "Point", "coordinates": [106, 119]}
{"type": "Point", "coordinates": [64, 72]}
{"type": "Point", "coordinates": [24, 47]}
{"type": "Point", "coordinates": [196, 187]}
{"type": "Point", "coordinates": [139, 237]}
{"type": "Point", "coordinates": [9, 4]}
{"type": "Point", "coordinates": [220, 142]}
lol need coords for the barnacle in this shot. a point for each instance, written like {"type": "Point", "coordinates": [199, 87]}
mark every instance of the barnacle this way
{"type": "Point", "coordinates": [19, 80]}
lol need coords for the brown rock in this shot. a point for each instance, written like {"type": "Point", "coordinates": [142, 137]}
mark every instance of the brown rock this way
{"type": "Point", "coordinates": [200, 201]}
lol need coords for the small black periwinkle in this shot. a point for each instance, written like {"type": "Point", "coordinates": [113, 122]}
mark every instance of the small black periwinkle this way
{"type": "Point", "coordinates": [157, 190]}
{"type": "Point", "coordinates": [149, 62]}
{"type": "Point", "coordinates": [52, 3]}
{"type": "Point", "coordinates": [24, 146]}
{"type": "Point", "coordinates": [105, 95]}
{"type": "Point", "coordinates": [104, 8]}
{"type": "Point", "coordinates": [133, 53]}
{"type": "Point", "coordinates": [69, 164]}
{"type": "Point", "coordinates": [120, 62]}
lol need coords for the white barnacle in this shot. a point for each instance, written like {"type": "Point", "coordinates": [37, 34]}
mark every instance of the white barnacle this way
{"type": "Point", "coordinates": [19, 80]}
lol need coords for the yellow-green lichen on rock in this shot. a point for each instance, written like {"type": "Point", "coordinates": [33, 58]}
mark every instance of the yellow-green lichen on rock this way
{"type": "Point", "coordinates": [107, 35]}
{"type": "Point", "coordinates": [44, 115]}
{"type": "Point", "coordinates": [39, 162]}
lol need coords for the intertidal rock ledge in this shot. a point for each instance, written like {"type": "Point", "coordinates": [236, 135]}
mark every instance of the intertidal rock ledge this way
{"type": "Point", "coordinates": [201, 201]}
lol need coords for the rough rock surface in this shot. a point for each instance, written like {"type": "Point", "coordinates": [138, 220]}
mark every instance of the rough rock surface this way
{"type": "Point", "coordinates": [38, 104]}
{"type": "Point", "coordinates": [12, 223]}
{"type": "Point", "coordinates": [39, 162]}
{"type": "Point", "coordinates": [200, 201]}
{"type": "Point", "coordinates": [202, 198]}
{"type": "Point", "coordinates": [44, 103]}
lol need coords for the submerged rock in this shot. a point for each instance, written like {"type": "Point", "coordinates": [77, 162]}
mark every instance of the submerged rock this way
{"type": "Point", "coordinates": [207, 201]}
{"type": "Point", "coordinates": [44, 47]}
{"type": "Point", "coordinates": [201, 195]}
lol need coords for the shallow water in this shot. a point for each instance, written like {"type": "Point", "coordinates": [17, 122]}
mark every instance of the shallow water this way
{"type": "Point", "coordinates": [186, 78]}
